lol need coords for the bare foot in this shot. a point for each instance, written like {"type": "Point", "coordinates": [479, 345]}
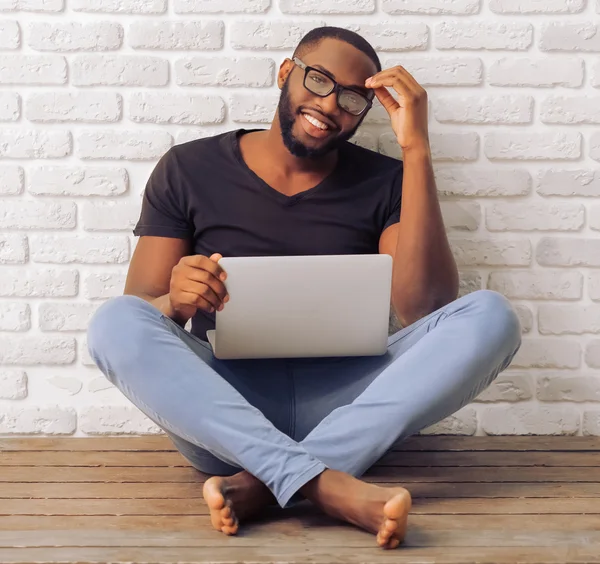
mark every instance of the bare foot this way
{"type": "Point", "coordinates": [382, 511]}
{"type": "Point", "coordinates": [233, 499]}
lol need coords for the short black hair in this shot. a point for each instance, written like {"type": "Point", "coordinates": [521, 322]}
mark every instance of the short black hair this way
{"type": "Point", "coordinates": [312, 39]}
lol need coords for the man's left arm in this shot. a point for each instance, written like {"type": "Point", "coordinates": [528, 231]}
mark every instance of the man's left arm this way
{"type": "Point", "coordinates": [425, 276]}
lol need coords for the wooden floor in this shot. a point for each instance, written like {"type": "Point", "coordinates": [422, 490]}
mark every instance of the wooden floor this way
{"type": "Point", "coordinates": [476, 499]}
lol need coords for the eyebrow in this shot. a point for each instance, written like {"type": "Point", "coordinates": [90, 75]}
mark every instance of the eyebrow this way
{"type": "Point", "coordinates": [362, 89]}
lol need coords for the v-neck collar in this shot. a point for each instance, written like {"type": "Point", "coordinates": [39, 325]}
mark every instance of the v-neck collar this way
{"type": "Point", "coordinates": [267, 188]}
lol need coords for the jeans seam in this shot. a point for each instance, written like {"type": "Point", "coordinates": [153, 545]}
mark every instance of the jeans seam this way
{"type": "Point", "coordinates": [412, 327]}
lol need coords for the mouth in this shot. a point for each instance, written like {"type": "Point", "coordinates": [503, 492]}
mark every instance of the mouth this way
{"type": "Point", "coordinates": [315, 127]}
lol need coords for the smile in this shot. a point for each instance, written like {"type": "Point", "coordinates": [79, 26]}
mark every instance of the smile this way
{"type": "Point", "coordinates": [314, 121]}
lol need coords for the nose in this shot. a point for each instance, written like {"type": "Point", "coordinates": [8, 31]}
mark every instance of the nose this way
{"type": "Point", "coordinates": [329, 105]}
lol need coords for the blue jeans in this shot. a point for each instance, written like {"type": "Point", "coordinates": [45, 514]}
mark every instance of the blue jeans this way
{"type": "Point", "coordinates": [287, 420]}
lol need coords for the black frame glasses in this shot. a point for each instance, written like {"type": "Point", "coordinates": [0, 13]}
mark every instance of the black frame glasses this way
{"type": "Point", "coordinates": [339, 90]}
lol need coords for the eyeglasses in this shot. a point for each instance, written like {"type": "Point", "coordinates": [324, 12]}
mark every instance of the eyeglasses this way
{"type": "Point", "coordinates": [322, 85]}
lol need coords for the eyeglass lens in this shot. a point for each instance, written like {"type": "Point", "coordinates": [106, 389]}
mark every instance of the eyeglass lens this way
{"type": "Point", "coordinates": [322, 85]}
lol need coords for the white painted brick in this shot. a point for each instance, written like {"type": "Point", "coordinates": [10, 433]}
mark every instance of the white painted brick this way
{"type": "Point", "coordinates": [327, 6]}
{"type": "Point", "coordinates": [556, 251]}
{"type": "Point", "coordinates": [463, 422]}
{"type": "Point", "coordinates": [119, 70]}
{"type": "Point", "coordinates": [75, 36]}
{"type": "Point", "coordinates": [32, 5]}
{"type": "Point", "coordinates": [432, 7]}
{"type": "Point", "coordinates": [221, 6]}
{"type": "Point", "coordinates": [594, 215]}
{"type": "Point", "coordinates": [13, 384]}
{"type": "Point", "coordinates": [590, 424]}
{"type": "Point", "coordinates": [110, 216]}
{"type": "Point", "coordinates": [554, 145]}
{"type": "Point", "coordinates": [536, 73]}
{"type": "Point", "coordinates": [464, 216]}
{"type": "Point", "coordinates": [569, 183]}
{"type": "Point", "coordinates": [571, 109]}
{"type": "Point", "coordinates": [535, 217]}
{"type": "Point", "coordinates": [14, 249]}
{"type": "Point", "coordinates": [392, 36]}
{"type": "Point", "coordinates": [122, 144]}
{"type": "Point", "coordinates": [525, 316]}
{"type": "Point", "coordinates": [442, 71]}
{"type": "Point", "coordinates": [101, 249]}
{"type": "Point", "coordinates": [592, 354]}
{"type": "Point", "coordinates": [65, 316]}
{"type": "Point", "coordinates": [38, 420]}
{"type": "Point", "coordinates": [508, 386]}
{"type": "Point", "coordinates": [10, 34]}
{"type": "Point", "coordinates": [269, 35]}
{"type": "Point", "coordinates": [116, 420]}
{"type": "Point", "coordinates": [595, 146]}
{"type": "Point", "coordinates": [34, 144]}
{"type": "Point", "coordinates": [559, 36]}
{"type": "Point", "coordinates": [187, 135]}
{"type": "Point", "coordinates": [530, 420]}
{"type": "Point", "coordinates": [536, 285]}
{"type": "Point", "coordinates": [120, 6]}
{"type": "Point", "coordinates": [38, 215]}
{"type": "Point", "coordinates": [475, 251]}
{"type": "Point", "coordinates": [84, 354]}
{"type": "Point", "coordinates": [568, 319]}
{"type": "Point", "coordinates": [365, 139]}
{"type": "Point", "coordinates": [512, 36]}
{"type": "Point", "coordinates": [484, 109]}
{"type": "Point", "coordinates": [562, 387]}
{"type": "Point", "coordinates": [537, 6]}
{"type": "Point", "coordinates": [251, 108]}
{"type": "Point", "coordinates": [176, 108]}
{"type": "Point", "coordinates": [468, 282]}
{"type": "Point", "coordinates": [10, 106]}
{"type": "Point", "coordinates": [28, 351]}
{"type": "Point", "coordinates": [595, 78]}
{"type": "Point", "coordinates": [88, 107]}
{"type": "Point", "coordinates": [38, 283]}
{"type": "Point", "coordinates": [104, 285]}
{"type": "Point", "coordinates": [481, 182]}
{"type": "Point", "coordinates": [594, 286]}
{"type": "Point", "coordinates": [11, 180]}
{"type": "Point", "coordinates": [15, 317]}
{"type": "Point", "coordinates": [71, 385]}
{"type": "Point", "coordinates": [224, 71]}
{"type": "Point", "coordinates": [205, 35]}
{"type": "Point", "coordinates": [548, 353]}
{"type": "Point", "coordinates": [76, 181]}
{"type": "Point", "coordinates": [444, 146]}
{"type": "Point", "coordinates": [33, 69]}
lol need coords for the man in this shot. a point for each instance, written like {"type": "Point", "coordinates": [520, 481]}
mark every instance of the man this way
{"type": "Point", "coordinates": [279, 430]}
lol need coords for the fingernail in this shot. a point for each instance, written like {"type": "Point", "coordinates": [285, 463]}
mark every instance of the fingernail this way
{"type": "Point", "coordinates": [220, 307]}
{"type": "Point", "coordinates": [226, 299]}
{"type": "Point", "coordinates": [223, 276]}
{"type": "Point", "coordinates": [211, 309]}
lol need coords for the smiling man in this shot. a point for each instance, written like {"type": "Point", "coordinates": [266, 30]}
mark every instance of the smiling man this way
{"type": "Point", "coordinates": [280, 430]}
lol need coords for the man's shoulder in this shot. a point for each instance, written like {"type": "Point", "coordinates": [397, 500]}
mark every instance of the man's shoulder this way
{"type": "Point", "coordinates": [369, 160]}
{"type": "Point", "coordinates": [212, 145]}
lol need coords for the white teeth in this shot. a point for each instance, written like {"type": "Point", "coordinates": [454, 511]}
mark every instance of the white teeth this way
{"type": "Point", "coordinates": [316, 122]}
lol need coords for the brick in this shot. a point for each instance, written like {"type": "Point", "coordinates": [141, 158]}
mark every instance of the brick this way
{"type": "Point", "coordinates": [525, 316]}
{"type": "Point", "coordinates": [594, 286]}
{"type": "Point", "coordinates": [104, 285]}
{"type": "Point", "coordinates": [87, 107]}
{"type": "Point", "coordinates": [392, 36]}
{"type": "Point", "coordinates": [558, 36]}
{"type": "Point", "coordinates": [38, 420]}
{"type": "Point", "coordinates": [533, 146]}
{"type": "Point", "coordinates": [38, 215]}
{"type": "Point", "coordinates": [122, 144]}
{"type": "Point", "coordinates": [38, 283]}
{"type": "Point", "coordinates": [536, 73]}
{"type": "Point", "coordinates": [10, 106]}
{"type": "Point", "coordinates": [530, 420]}
{"type": "Point", "coordinates": [46, 6]}
{"type": "Point", "coordinates": [481, 182]}
{"type": "Point", "coordinates": [592, 354]}
{"type": "Point", "coordinates": [223, 71]}
{"type": "Point", "coordinates": [327, 6]}
{"type": "Point", "coordinates": [116, 420]}
{"type": "Point", "coordinates": [10, 34]}
{"type": "Point", "coordinates": [561, 387]}
{"type": "Point", "coordinates": [15, 317]}
{"type": "Point", "coordinates": [221, 6]}
{"type": "Point", "coordinates": [595, 78]}
{"type": "Point", "coordinates": [13, 384]}
{"type": "Point", "coordinates": [365, 139]}
{"type": "Point", "coordinates": [251, 108]}
{"type": "Point", "coordinates": [546, 285]}
{"type": "Point", "coordinates": [11, 180]}
{"type": "Point", "coordinates": [535, 217]}
{"type": "Point", "coordinates": [548, 353]}
{"type": "Point", "coordinates": [594, 215]}
{"type": "Point", "coordinates": [484, 109]}
{"type": "Point", "coordinates": [508, 386]}
{"type": "Point", "coordinates": [75, 36]}
{"type": "Point", "coordinates": [120, 6]}
{"type": "Point", "coordinates": [595, 146]}
{"type": "Point", "coordinates": [65, 316]}
{"type": "Point", "coordinates": [187, 135]}
{"type": "Point", "coordinates": [176, 108]}
{"type": "Point", "coordinates": [119, 70]}
{"type": "Point", "coordinates": [77, 181]}
{"type": "Point", "coordinates": [34, 144]}
{"type": "Point", "coordinates": [269, 35]}
{"type": "Point", "coordinates": [554, 182]}
{"type": "Point", "coordinates": [468, 282]}
{"type": "Point", "coordinates": [33, 69]}
{"type": "Point", "coordinates": [84, 354]}
{"type": "Point", "coordinates": [570, 109]}
{"type": "Point", "coordinates": [444, 146]}
{"type": "Point", "coordinates": [442, 71]}
{"type": "Point", "coordinates": [29, 351]}
{"type": "Point", "coordinates": [465, 216]}
{"type": "Point", "coordinates": [557, 251]}
{"type": "Point", "coordinates": [431, 7]}
{"type": "Point", "coordinates": [101, 249]}
{"type": "Point", "coordinates": [568, 319]}
{"type": "Point", "coordinates": [100, 384]}
{"type": "Point", "coordinates": [463, 422]}
{"type": "Point", "coordinates": [536, 7]}
{"type": "Point", "coordinates": [205, 35]}
{"type": "Point", "coordinates": [110, 216]}
{"type": "Point", "coordinates": [590, 424]}
{"type": "Point", "coordinates": [511, 36]}
{"type": "Point", "coordinates": [14, 249]}
{"type": "Point", "coordinates": [475, 251]}
{"type": "Point", "coordinates": [71, 385]}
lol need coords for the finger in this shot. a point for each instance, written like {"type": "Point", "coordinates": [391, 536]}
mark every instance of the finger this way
{"type": "Point", "coordinates": [387, 100]}
{"type": "Point", "coordinates": [204, 292]}
{"type": "Point", "coordinates": [190, 298]}
{"type": "Point", "coordinates": [395, 81]}
{"type": "Point", "coordinates": [204, 277]}
{"type": "Point", "coordinates": [401, 73]}
{"type": "Point", "coordinates": [205, 263]}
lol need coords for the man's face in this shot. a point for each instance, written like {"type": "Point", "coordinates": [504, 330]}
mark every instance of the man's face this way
{"type": "Point", "coordinates": [298, 106]}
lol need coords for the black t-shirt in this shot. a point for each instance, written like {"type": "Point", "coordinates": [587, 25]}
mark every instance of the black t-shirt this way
{"type": "Point", "coordinates": [204, 191]}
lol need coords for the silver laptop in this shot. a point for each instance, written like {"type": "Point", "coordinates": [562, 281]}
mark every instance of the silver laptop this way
{"type": "Point", "coordinates": [304, 306]}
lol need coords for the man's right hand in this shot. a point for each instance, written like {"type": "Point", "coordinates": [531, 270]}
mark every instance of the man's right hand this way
{"type": "Point", "coordinates": [197, 283]}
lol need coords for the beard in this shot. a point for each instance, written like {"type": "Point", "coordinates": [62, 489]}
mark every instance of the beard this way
{"type": "Point", "coordinates": [287, 118]}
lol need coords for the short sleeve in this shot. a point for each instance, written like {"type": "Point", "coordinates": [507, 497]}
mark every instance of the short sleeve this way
{"type": "Point", "coordinates": [395, 200]}
{"type": "Point", "coordinates": [163, 209]}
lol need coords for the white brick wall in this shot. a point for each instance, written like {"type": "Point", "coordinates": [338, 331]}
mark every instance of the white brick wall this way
{"type": "Point", "coordinates": [93, 92]}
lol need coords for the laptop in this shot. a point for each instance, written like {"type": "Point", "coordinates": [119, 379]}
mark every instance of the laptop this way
{"type": "Point", "coordinates": [304, 306]}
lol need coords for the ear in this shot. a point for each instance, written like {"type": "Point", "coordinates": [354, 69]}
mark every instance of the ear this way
{"type": "Point", "coordinates": [284, 70]}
